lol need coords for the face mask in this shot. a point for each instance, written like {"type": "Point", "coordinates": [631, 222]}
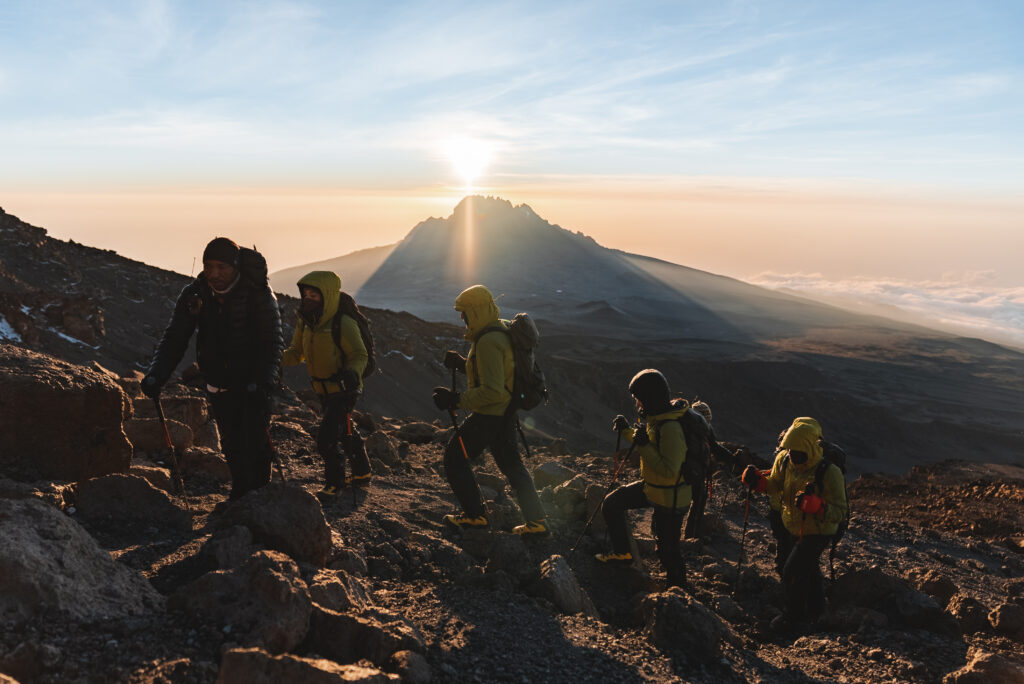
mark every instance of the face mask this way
{"type": "Point", "coordinates": [310, 309]}
{"type": "Point", "coordinates": [798, 457]}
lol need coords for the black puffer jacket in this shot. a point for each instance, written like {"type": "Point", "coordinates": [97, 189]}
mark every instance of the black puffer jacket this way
{"type": "Point", "coordinates": [239, 339]}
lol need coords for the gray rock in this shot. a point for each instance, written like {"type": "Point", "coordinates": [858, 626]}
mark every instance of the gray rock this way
{"type": "Point", "coordinates": [551, 474]}
{"type": "Point", "coordinates": [380, 445]}
{"type": "Point", "coordinates": [256, 666]}
{"type": "Point", "coordinates": [263, 603]}
{"type": "Point", "coordinates": [557, 447]}
{"type": "Point", "coordinates": [916, 609]}
{"type": "Point", "coordinates": [412, 667]}
{"type": "Point", "coordinates": [970, 613]}
{"type": "Point", "coordinates": [1008, 619]}
{"type": "Point", "coordinates": [230, 547]}
{"type": "Point", "coordinates": [677, 621]}
{"type": "Point", "coordinates": [130, 499]}
{"type": "Point", "coordinates": [416, 433]}
{"type": "Point", "coordinates": [349, 560]}
{"type": "Point", "coordinates": [509, 552]}
{"type": "Point", "coordinates": [286, 518]}
{"type": "Point", "coordinates": [205, 462]}
{"type": "Point", "coordinates": [339, 591]}
{"type": "Point", "coordinates": [373, 634]}
{"type": "Point", "coordinates": [559, 585]}
{"type": "Point", "coordinates": [50, 567]}
{"type": "Point", "coordinates": [207, 435]}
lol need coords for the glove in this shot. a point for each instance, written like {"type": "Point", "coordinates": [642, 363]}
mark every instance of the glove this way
{"type": "Point", "coordinates": [620, 423]}
{"type": "Point", "coordinates": [150, 387]}
{"type": "Point", "coordinates": [640, 437]}
{"type": "Point", "coordinates": [811, 504]}
{"type": "Point", "coordinates": [453, 360]}
{"type": "Point", "coordinates": [754, 479]}
{"type": "Point", "coordinates": [445, 399]}
{"type": "Point", "coordinates": [349, 380]}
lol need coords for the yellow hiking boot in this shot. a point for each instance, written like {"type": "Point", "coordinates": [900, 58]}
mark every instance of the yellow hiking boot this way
{"type": "Point", "coordinates": [615, 558]}
{"type": "Point", "coordinates": [361, 480]}
{"type": "Point", "coordinates": [329, 490]}
{"type": "Point", "coordinates": [464, 520]}
{"type": "Point", "coordinates": [531, 527]}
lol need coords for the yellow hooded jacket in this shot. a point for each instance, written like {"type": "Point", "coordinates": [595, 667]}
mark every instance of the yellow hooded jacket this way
{"type": "Point", "coordinates": [661, 459]}
{"type": "Point", "coordinates": [791, 480]}
{"type": "Point", "coordinates": [490, 365]}
{"type": "Point", "coordinates": [315, 345]}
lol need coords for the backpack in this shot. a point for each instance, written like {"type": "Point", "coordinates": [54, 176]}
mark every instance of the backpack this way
{"type": "Point", "coordinates": [831, 454]}
{"type": "Point", "coordinates": [252, 265]}
{"type": "Point", "coordinates": [347, 306]}
{"type": "Point", "coordinates": [529, 386]}
{"type": "Point", "coordinates": [694, 470]}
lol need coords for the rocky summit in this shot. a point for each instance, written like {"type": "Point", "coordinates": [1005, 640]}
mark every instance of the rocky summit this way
{"type": "Point", "coordinates": [108, 573]}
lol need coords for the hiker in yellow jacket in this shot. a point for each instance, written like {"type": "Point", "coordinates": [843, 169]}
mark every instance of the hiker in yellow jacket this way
{"type": "Point", "coordinates": [661, 448]}
{"type": "Point", "coordinates": [812, 507]}
{"type": "Point", "coordinates": [335, 357]}
{"type": "Point", "coordinates": [490, 374]}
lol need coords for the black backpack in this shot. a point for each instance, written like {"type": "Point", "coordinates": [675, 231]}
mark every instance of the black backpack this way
{"type": "Point", "coordinates": [529, 387]}
{"type": "Point", "coordinates": [831, 454]}
{"type": "Point", "coordinates": [252, 265]}
{"type": "Point", "coordinates": [347, 306]}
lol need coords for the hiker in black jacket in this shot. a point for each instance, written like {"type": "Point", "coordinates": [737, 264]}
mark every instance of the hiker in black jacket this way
{"type": "Point", "coordinates": [239, 353]}
{"type": "Point", "coordinates": [723, 456]}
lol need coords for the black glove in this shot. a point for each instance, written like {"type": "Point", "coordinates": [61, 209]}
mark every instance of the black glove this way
{"type": "Point", "coordinates": [150, 387]}
{"type": "Point", "coordinates": [640, 437]}
{"type": "Point", "coordinates": [453, 360]}
{"type": "Point", "coordinates": [445, 399]}
{"type": "Point", "coordinates": [620, 423]}
{"type": "Point", "coordinates": [349, 380]}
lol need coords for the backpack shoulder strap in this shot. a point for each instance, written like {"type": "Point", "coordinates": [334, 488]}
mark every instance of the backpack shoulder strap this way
{"type": "Point", "coordinates": [336, 333]}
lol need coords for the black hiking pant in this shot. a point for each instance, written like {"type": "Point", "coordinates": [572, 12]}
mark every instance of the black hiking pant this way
{"type": "Point", "coordinates": [497, 434]}
{"type": "Point", "coordinates": [336, 426]}
{"type": "Point", "coordinates": [784, 541]}
{"type": "Point", "coordinates": [243, 419]}
{"type": "Point", "coordinates": [698, 503]}
{"type": "Point", "coordinates": [802, 578]}
{"type": "Point", "coordinates": [666, 525]}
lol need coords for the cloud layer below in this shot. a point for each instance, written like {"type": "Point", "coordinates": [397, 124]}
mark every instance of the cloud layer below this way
{"type": "Point", "coordinates": [970, 304]}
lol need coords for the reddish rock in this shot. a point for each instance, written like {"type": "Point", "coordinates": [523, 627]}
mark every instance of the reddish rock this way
{"type": "Point", "coordinates": [986, 668]}
{"type": "Point", "coordinates": [255, 666]}
{"type": "Point", "coordinates": [146, 434]}
{"type": "Point", "coordinates": [128, 499]}
{"type": "Point", "coordinates": [373, 634]}
{"type": "Point", "coordinates": [59, 421]}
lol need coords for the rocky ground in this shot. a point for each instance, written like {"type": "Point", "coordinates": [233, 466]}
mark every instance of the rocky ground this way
{"type": "Point", "coordinates": [114, 579]}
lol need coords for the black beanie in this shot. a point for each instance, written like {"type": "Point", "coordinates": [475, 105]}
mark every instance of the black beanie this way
{"type": "Point", "coordinates": [222, 249]}
{"type": "Point", "coordinates": [650, 387]}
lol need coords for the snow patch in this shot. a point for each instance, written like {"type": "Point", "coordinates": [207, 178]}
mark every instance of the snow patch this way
{"type": "Point", "coordinates": [7, 332]}
{"type": "Point", "coordinates": [404, 356]}
{"type": "Point", "coordinates": [73, 340]}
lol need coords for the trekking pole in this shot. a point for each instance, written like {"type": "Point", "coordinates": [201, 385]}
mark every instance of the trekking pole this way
{"type": "Point", "coordinates": [275, 457]}
{"type": "Point", "coordinates": [348, 445]}
{"type": "Point", "coordinates": [615, 476]}
{"type": "Point", "coordinates": [455, 422]}
{"type": "Point", "coordinates": [743, 541]}
{"type": "Point", "coordinates": [176, 484]}
{"type": "Point", "coordinates": [526, 445]}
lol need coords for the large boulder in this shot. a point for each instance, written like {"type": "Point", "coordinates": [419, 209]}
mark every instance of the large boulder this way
{"type": "Point", "coordinates": [970, 613]}
{"type": "Point", "coordinates": [986, 668]}
{"type": "Point", "coordinates": [893, 597]}
{"type": "Point", "coordinates": [191, 411]}
{"type": "Point", "coordinates": [675, 620]}
{"type": "Point", "coordinates": [558, 584]}
{"type": "Point", "coordinates": [285, 518]}
{"type": "Point", "coordinates": [508, 552]}
{"type": "Point", "coordinates": [264, 602]}
{"type": "Point", "coordinates": [1008, 619]}
{"type": "Point", "coordinates": [128, 500]}
{"type": "Point", "coordinates": [374, 635]}
{"type": "Point", "coordinates": [147, 434]}
{"type": "Point", "coordinates": [256, 666]}
{"type": "Point", "coordinates": [52, 569]}
{"type": "Point", "coordinates": [59, 421]}
{"type": "Point", "coordinates": [380, 446]}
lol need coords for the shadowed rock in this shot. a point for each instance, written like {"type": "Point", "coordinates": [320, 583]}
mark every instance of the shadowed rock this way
{"type": "Point", "coordinates": [986, 668]}
{"type": "Point", "coordinates": [255, 666]}
{"type": "Point", "coordinates": [285, 518]}
{"type": "Point", "coordinates": [676, 620]}
{"type": "Point", "coordinates": [59, 421]}
{"type": "Point", "coordinates": [559, 585]}
{"type": "Point", "coordinates": [128, 499]}
{"type": "Point", "coordinates": [50, 568]}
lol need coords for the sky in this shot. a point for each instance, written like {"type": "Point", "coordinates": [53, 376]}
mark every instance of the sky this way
{"type": "Point", "coordinates": [824, 147]}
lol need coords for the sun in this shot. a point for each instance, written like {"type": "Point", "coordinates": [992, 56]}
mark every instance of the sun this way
{"type": "Point", "coordinates": [469, 156]}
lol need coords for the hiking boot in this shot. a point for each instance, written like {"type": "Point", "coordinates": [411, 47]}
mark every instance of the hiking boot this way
{"type": "Point", "coordinates": [358, 480]}
{"type": "Point", "coordinates": [464, 520]}
{"type": "Point", "coordinates": [615, 558]}
{"type": "Point", "coordinates": [531, 527]}
{"type": "Point", "coordinates": [329, 491]}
